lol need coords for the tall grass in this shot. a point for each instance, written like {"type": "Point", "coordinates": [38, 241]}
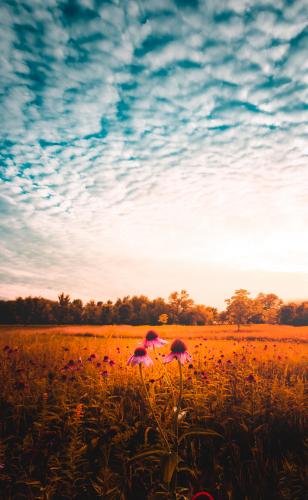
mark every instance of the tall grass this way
{"type": "Point", "coordinates": [83, 429]}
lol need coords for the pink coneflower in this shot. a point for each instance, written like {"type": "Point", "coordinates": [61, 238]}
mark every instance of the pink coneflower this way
{"type": "Point", "coordinates": [178, 352]}
{"type": "Point", "coordinates": [140, 356]}
{"type": "Point", "coordinates": [152, 340]}
{"type": "Point", "coordinates": [203, 495]}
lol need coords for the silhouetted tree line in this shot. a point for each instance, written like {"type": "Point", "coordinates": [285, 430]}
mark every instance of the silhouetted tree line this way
{"type": "Point", "coordinates": [140, 310]}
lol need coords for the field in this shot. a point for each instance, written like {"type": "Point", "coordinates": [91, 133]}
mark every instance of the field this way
{"type": "Point", "coordinates": [77, 422]}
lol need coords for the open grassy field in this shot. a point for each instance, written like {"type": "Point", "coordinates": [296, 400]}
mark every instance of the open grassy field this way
{"type": "Point", "coordinates": [77, 422]}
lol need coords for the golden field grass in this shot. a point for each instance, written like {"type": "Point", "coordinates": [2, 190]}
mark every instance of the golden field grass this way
{"type": "Point", "coordinates": [252, 331]}
{"type": "Point", "coordinates": [76, 426]}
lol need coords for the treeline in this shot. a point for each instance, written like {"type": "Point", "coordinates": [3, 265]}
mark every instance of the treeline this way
{"type": "Point", "coordinates": [180, 308]}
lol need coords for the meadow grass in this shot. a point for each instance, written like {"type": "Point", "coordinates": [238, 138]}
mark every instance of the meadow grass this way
{"type": "Point", "coordinates": [76, 421]}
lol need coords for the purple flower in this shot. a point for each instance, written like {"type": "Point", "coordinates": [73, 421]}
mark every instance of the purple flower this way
{"type": "Point", "coordinates": [179, 352]}
{"type": "Point", "coordinates": [111, 363]}
{"type": "Point", "coordinates": [140, 356]}
{"type": "Point", "coordinates": [152, 340]}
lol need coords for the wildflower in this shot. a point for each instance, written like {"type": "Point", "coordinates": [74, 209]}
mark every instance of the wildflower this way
{"type": "Point", "coordinates": [202, 495]}
{"type": "Point", "coordinates": [190, 366]}
{"type": "Point", "coordinates": [79, 411]}
{"type": "Point", "coordinates": [20, 386]}
{"type": "Point", "coordinates": [71, 363]}
{"type": "Point", "coordinates": [152, 340]}
{"type": "Point", "coordinates": [98, 364]}
{"type": "Point", "coordinates": [111, 363]}
{"type": "Point", "coordinates": [104, 373]}
{"type": "Point", "coordinates": [106, 359]}
{"type": "Point", "coordinates": [93, 356]}
{"type": "Point", "coordinates": [179, 352]}
{"type": "Point", "coordinates": [250, 378]}
{"type": "Point", "coordinates": [140, 356]}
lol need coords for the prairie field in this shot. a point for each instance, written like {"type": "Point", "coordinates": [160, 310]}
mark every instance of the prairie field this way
{"type": "Point", "coordinates": [78, 422]}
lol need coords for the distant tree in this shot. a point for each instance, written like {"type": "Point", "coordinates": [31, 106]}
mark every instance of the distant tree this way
{"type": "Point", "coordinates": [205, 315]}
{"type": "Point", "coordinates": [123, 311]}
{"type": "Point", "coordinates": [62, 310]}
{"type": "Point", "coordinates": [265, 308]}
{"type": "Point", "coordinates": [106, 313]}
{"type": "Point", "coordinates": [180, 305]}
{"type": "Point", "coordinates": [301, 318]}
{"type": "Point", "coordinates": [239, 308]}
{"type": "Point", "coordinates": [76, 309]}
{"type": "Point", "coordinates": [163, 319]}
{"type": "Point", "coordinates": [222, 317]}
{"type": "Point", "coordinates": [140, 310]}
{"type": "Point", "coordinates": [287, 314]}
{"type": "Point", "coordinates": [91, 313]}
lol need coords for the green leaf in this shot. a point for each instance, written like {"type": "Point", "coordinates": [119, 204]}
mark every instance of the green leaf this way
{"type": "Point", "coordinates": [148, 453]}
{"type": "Point", "coordinates": [169, 464]}
{"type": "Point", "coordinates": [201, 432]}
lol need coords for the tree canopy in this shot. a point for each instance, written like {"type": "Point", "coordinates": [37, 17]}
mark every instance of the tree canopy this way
{"type": "Point", "coordinates": [180, 308]}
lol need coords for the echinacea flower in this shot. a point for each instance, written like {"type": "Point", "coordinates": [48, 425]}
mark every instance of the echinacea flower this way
{"type": "Point", "coordinates": [203, 495]}
{"type": "Point", "coordinates": [140, 356]}
{"type": "Point", "coordinates": [178, 352]}
{"type": "Point", "coordinates": [152, 340]}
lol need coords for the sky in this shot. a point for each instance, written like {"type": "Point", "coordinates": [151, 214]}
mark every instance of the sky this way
{"type": "Point", "coordinates": [149, 146]}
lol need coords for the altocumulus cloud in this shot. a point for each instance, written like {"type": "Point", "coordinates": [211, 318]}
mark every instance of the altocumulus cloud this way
{"type": "Point", "coordinates": [171, 130]}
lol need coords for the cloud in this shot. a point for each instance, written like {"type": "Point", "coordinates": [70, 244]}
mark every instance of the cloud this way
{"type": "Point", "coordinates": [168, 129]}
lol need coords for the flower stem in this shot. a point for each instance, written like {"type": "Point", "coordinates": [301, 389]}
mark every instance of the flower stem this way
{"type": "Point", "coordinates": [178, 406]}
{"type": "Point", "coordinates": [176, 421]}
{"type": "Point", "coordinates": [166, 375]}
{"type": "Point", "coordinates": [163, 435]}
